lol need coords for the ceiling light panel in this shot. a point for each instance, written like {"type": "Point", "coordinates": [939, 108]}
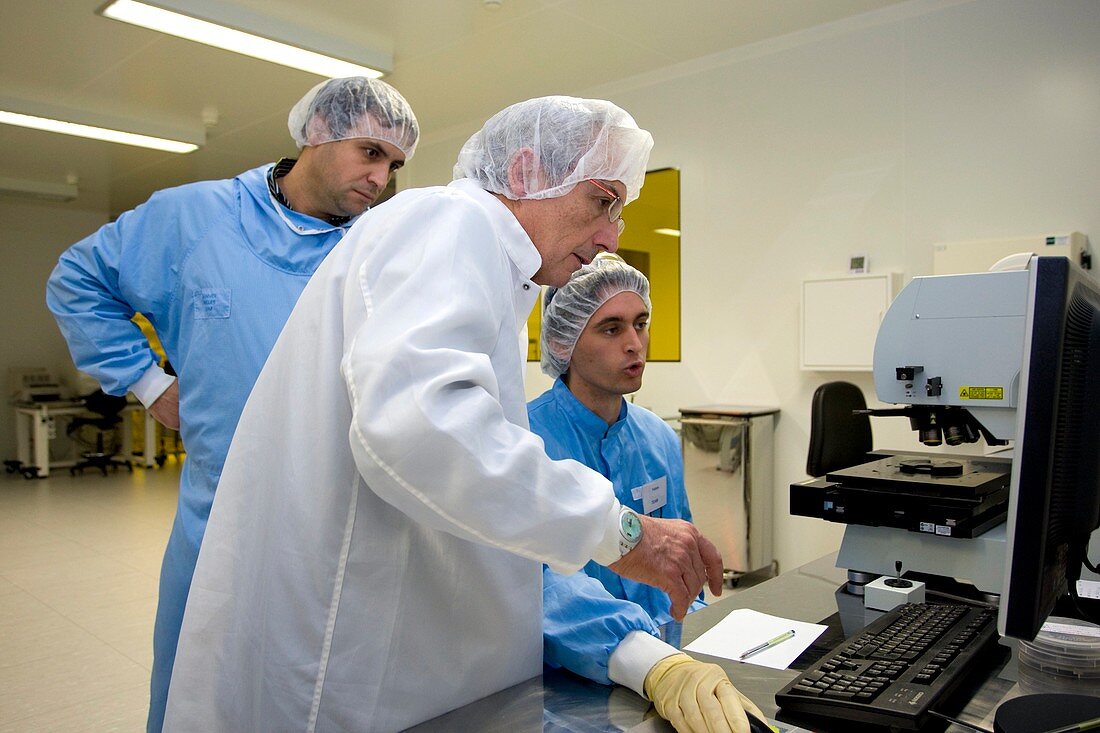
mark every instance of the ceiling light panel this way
{"type": "Point", "coordinates": [222, 25]}
{"type": "Point", "coordinates": [84, 123]}
{"type": "Point", "coordinates": [43, 190]}
{"type": "Point", "coordinates": [95, 133]}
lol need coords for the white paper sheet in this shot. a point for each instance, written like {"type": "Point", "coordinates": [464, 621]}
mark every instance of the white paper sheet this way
{"type": "Point", "coordinates": [744, 628]}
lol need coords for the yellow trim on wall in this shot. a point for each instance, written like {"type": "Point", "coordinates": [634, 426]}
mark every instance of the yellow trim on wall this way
{"type": "Point", "coordinates": [651, 243]}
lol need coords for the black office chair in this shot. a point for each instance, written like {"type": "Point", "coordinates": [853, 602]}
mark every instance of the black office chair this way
{"type": "Point", "coordinates": [106, 423]}
{"type": "Point", "coordinates": [838, 439]}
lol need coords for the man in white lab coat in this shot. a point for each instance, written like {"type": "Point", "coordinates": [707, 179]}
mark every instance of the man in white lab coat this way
{"type": "Point", "coordinates": [373, 557]}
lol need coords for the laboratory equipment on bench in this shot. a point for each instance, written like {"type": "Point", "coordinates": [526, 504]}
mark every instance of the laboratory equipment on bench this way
{"type": "Point", "coordinates": [949, 351]}
{"type": "Point", "coordinates": [1006, 355]}
{"type": "Point", "coordinates": [34, 384]}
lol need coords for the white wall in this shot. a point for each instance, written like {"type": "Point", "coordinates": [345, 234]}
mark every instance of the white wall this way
{"type": "Point", "coordinates": [32, 236]}
{"type": "Point", "coordinates": [932, 121]}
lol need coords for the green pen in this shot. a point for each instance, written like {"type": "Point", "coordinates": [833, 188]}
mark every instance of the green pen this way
{"type": "Point", "coordinates": [767, 644]}
{"type": "Point", "coordinates": [1076, 727]}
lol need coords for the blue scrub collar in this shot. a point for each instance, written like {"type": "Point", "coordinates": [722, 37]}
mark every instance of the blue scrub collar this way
{"type": "Point", "coordinates": [255, 183]}
{"type": "Point", "coordinates": [588, 421]}
{"type": "Point", "coordinates": [280, 169]}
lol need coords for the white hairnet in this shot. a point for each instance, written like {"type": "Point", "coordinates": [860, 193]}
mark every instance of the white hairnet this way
{"type": "Point", "coordinates": [340, 109]}
{"type": "Point", "coordinates": [572, 140]}
{"type": "Point", "coordinates": [567, 310]}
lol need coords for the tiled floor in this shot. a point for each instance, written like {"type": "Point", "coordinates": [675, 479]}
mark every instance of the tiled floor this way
{"type": "Point", "coordinates": [79, 560]}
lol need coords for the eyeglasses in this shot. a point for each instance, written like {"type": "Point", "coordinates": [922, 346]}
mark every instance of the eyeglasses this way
{"type": "Point", "coordinates": [615, 208]}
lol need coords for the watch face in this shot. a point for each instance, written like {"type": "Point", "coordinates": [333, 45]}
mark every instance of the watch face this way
{"type": "Point", "coordinates": [631, 525]}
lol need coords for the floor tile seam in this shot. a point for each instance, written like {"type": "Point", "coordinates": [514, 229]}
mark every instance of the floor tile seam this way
{"type": "Point", "coordinates": [143, 707]}
{"type": "Point", "coordinates": [142, 663]}
{"type": "Point", "coordinates": [93, 631]}
{"type": "Point", "coordinates": [73, 706]}
{"type": "Point", "coordinates": [53, 606]}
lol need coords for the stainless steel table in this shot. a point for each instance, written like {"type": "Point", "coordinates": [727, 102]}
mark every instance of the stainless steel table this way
{"type": "Point", "coordinates": [559, 701]}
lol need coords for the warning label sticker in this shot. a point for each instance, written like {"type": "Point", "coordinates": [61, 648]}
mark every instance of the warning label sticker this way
{"type": "Point", "coordinates": [981, 393]}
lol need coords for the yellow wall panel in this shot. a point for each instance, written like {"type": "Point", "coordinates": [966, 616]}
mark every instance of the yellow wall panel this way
{"type": "Point", "coordinates": [651, 243]}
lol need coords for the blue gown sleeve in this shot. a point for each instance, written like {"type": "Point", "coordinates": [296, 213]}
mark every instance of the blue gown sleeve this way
{"type": "Point", "coordinates": [583, 623]}
{"type": "Point", "coordinates": [101, 281]}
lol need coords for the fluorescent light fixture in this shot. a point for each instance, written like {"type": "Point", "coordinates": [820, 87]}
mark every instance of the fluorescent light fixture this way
{"type": "Point", "coordinates": [222, 25]}
{"type": "Point", "coordinates": [170, 137]}
{"type": "Point", "coordinates": [38, 189]}
{"type": "Point", "coordinates": [667, 232]}
{"type": "Point", "coordinates": [96, 133]}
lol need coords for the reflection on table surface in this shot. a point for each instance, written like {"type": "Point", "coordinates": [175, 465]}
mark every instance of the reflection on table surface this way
{"type": "Point", "coordinates": [560, 701]}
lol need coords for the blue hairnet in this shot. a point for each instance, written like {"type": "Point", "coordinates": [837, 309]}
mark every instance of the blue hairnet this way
{"type": "Point", "coordinates": [572, 140]}
{"type": "Point", "coordinates": [567, 310]}
{"type": "Point", "coordinates": [341, 109]}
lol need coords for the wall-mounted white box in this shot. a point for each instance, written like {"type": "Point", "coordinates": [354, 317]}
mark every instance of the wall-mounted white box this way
{"type": "Point", "coordinates": [840, 320]}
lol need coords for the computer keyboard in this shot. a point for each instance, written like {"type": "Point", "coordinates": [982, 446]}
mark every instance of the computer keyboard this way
{"type": "Point", "coordinates": [899, 667]}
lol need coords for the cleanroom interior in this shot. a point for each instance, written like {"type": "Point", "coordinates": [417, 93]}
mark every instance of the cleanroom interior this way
{"type": "Point", "coordinates": [805, 137]}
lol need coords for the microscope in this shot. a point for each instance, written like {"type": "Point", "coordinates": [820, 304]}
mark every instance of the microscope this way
{"type": "Point", "coordinates": [949, 353]}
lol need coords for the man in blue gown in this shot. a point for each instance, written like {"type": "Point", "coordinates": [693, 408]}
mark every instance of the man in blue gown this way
{"type": "Point", "coordinates": [217, 267]}
{"type": "Point", "coordinates": [596, 623]}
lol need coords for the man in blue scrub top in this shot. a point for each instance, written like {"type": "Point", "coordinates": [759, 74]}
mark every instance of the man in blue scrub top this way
{"type": "Point", "coordinates": [595, 330]}
{"type": "Point", "coordinates": [217, 266]}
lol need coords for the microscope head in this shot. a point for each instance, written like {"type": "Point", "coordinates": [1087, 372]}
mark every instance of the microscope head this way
{"type": "Point", "coordinates": [950, 347]}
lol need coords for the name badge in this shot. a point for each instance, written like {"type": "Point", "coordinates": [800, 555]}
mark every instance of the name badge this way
{"type": "Point", "coordinates": [653, 495]}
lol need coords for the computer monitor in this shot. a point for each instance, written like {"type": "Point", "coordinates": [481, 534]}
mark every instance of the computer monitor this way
{"type": "Point", "coordinates": [1054, 501]}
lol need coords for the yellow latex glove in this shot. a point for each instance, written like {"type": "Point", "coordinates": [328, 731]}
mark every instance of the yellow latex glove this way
{"type": "Point", "coordinates": [697, 697]}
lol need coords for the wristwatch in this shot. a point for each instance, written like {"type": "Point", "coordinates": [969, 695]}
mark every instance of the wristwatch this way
{"type": "Point", "coordinates": [630, 530]}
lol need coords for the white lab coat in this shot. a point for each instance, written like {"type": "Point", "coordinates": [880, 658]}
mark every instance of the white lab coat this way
{"type": "Point", "coordinates": [373, 553]}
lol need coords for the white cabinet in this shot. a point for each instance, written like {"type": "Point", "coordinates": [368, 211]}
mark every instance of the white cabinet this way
{"type": "Point", "coordinates": [840, 319]}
